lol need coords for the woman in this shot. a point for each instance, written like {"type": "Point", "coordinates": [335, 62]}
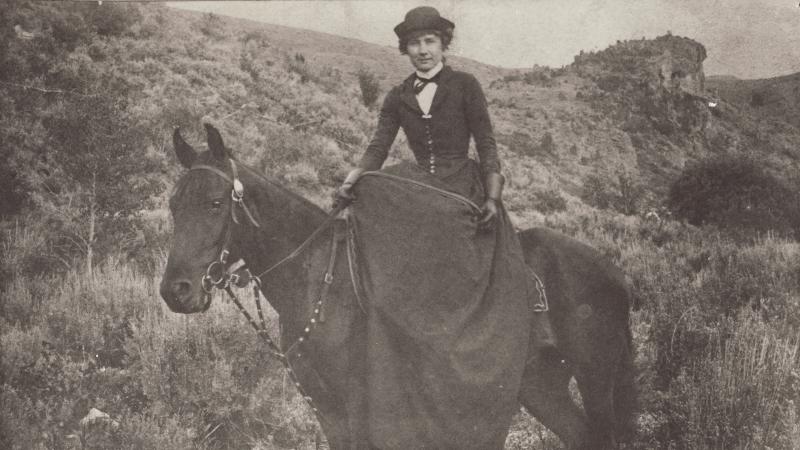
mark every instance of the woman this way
{"type": "Point", "coordinates": [448, 310]}
{"type": "Point", "coordinates": [439, 110]}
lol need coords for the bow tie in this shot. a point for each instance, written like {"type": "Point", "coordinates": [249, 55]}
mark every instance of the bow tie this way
{"type": "Point", "coordinates": [420, 83]}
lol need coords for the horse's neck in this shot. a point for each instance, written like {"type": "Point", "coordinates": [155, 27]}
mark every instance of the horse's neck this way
{"type": "Point", "coordinates": [286, 221]}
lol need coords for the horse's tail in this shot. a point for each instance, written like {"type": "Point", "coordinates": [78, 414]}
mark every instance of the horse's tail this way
{"type": "Point", "coordinates": [625, 394]}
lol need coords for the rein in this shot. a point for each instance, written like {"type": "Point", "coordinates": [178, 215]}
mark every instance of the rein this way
{"type": "Point", "coordinates": [217, 276]}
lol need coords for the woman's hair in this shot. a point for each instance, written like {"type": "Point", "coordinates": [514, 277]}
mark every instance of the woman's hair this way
{"type": "Point", "coordinates": [446, 36]}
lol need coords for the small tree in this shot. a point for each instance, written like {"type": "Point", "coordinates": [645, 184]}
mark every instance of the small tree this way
{"type": "Point", "coordinates": [100, 178]}
{"type": "Point", "coordinates": [370, 87]}
{"type": "Point", "coordinates": [597, 191]}
{"type": "Point", "coordinates": [630, 195]}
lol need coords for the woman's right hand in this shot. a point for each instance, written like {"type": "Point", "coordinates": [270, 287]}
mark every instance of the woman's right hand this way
{"type": "Point", "coordinates": [343, 195]}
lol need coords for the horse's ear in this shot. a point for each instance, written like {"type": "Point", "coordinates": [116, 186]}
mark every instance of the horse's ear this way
{"type": "Point", "coordinates": [215, 143]}
{"type": "Point", "coordinates": [185, 153]}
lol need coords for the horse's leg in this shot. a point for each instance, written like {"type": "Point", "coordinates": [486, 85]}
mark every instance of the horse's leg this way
{"type": "Point", "coordinates": [599, 407]}
{"type": "Point", "coordinates": [545, 395]}
{"type": "Point", "coordinates": [596, 382]}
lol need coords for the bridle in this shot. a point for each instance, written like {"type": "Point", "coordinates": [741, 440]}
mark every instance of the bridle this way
{"type": "Point", "coordinates": [218, 276]}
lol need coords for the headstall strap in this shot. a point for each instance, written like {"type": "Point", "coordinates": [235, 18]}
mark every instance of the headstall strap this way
{"type": "Point", "coordinates": [219, 276]}
{"type": "Point", "coordinates": [237, 195]}
{"type": "Point", "coordinates": [242, 277]}
{"type": "Point", "coordinates": [237, 191]}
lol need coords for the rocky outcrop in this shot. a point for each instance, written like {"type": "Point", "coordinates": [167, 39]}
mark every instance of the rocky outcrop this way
{"type": "Point", "coordinates": [668, 62]}
{"type": "Point", "coordinates": [680, 65]}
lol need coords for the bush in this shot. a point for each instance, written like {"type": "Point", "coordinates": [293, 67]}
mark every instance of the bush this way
{"type": "Point", "coordinates": [736, 194]}
{"type": "Point", "coordinates": [625, 196]}
{"type": "Point", "coordinates": [630, 195]}
{"type": "Point", "coordinates": [548, 144]}
{"type": "Point", "coordinates": [368, 83]}
{"type": "Point", "coordinates": [298, 65]}
{"type": "Point", "coordinates": [540, 77]}
{"type": "Point", "coordinates": [549, 201]}
{"type": "Point", "coordinates": [211, 26]}
{"type": "Point", "coordinates": [111, 19]}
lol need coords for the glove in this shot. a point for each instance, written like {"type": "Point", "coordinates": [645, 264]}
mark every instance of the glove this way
{"type": "Point", "coordinates": [343, 195]}
{"type": "Point", "coordinates": [491, 207]}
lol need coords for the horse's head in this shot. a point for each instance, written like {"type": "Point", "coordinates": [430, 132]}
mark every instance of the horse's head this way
{"type": "Point", "coordinates": [201, 207]}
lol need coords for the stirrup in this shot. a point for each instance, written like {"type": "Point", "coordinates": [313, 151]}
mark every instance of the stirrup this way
{"type": "Point", "coordinates": [542, 305]}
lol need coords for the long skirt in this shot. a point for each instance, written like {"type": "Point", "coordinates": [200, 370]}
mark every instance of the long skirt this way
{"type": "Point", "coordinates": [448, 311]}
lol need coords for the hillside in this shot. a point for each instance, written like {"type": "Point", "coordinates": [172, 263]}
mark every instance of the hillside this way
{"type": "Point", "coordinates": [770, 98]}
{"type": "Point", "coordinates": [640, 108]}
{"type": "Point", "coordinates": [90, 95]}
{"type": "Point", "coordinates": [637, 110]}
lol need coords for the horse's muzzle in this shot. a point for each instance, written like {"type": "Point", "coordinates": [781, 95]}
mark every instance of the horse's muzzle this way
{"type": "Point", "coordinates": [182, 297]}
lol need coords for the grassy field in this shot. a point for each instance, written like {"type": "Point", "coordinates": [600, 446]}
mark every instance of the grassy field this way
{"type": "Point", "coordinates": [717, 316]}
{"type": "Point", "coordinates": [716, 328]}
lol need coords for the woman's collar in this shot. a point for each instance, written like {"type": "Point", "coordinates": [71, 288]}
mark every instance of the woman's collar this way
{"type": "Point", "coordinates": [431, 73]}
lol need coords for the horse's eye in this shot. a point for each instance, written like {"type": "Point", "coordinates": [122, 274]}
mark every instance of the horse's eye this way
{"type": "Point", "coordinates": [216, 204]}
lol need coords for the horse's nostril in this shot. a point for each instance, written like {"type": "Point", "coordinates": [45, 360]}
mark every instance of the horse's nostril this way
{"type": "Point", "coordinates": [181, 288]}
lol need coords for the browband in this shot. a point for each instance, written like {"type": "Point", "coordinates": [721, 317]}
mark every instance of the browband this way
{"type": "Point", "coordinates": [237, 194]}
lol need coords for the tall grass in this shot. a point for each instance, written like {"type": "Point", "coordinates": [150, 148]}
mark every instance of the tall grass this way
{"type": "Point", "coordinates": [742, 392]}
{"type": "Point", "coordinates": [716, 328]}
{"type": "Point", "coordinates": [108, 342]}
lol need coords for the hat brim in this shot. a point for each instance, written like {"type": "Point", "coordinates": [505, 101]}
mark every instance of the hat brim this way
{"type": "Point", "coordinates": [436, 23]}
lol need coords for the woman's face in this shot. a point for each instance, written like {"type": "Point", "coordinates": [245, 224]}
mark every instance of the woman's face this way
{"type": "Point", "coordinates": [424, 50]}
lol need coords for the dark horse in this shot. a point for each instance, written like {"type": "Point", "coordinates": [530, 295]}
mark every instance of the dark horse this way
{"type": "Point", "coordinates": [589, 303]}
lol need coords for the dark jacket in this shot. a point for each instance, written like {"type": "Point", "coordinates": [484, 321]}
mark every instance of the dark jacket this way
{"type": "Point", "coordinates": [458, 111]}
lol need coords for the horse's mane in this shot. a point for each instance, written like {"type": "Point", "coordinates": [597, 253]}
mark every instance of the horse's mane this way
{"type": "Point", "coordinates": [280, 187]}
{"type": "Point", "coordinates": [189, 184]}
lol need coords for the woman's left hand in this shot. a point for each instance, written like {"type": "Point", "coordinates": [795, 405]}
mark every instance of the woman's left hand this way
{"type": "Point", "coordinates": [489, 213]}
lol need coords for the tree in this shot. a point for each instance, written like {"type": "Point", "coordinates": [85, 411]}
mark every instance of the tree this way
{"type": "Point", "coordinates": [73, 152]}
{"type": "Point", "coordinates": [369, 87]}
{"type": "Point", "coordinates": [100, 180]}
{"type": "Point", "coordinates": [734, 193]}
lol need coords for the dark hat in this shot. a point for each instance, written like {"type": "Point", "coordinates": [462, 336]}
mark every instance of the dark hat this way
{"type": "Point", "coordinates": [423, 18]}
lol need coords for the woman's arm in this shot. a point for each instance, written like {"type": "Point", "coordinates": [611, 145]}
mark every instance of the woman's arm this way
{"type": "Point", "coordinates": [388, 125]}
{"type": "Point", "coordinates": [480, 126]}
{"type": "Point", "coordinates": [377, 150]}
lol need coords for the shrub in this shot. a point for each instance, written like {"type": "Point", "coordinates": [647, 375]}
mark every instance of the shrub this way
{"type": "Point", "coordinates": [298, 65]}
{"type": "Point", "coordinates": [539, 77]}
{"type": "Point", "coordinates": [597, 191]}
{"type": "Point", "coordinates": [548, 144]}
{"type": "Point", "coordinates": [211, 26]}
{"type": "Point", "coordinates": [368, 83]}
{"type": "Point", "coordinates": [512, 77]}
{"type": "Point", "coordinates": [736, 194]}
{"type": "Point", "coordinates": [625, 196]}
{"type": "Point", "coordinates": [549, 201]}
{"type": "Point", "coordinates": [630, 195]}
{"type": "Point", "coordinates": [519, 143]}
{"type": "Point", "coordinates": [111, 19]}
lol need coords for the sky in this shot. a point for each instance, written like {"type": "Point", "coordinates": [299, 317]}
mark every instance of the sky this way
{"type": "Point", "coordinates": [744, 38]}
